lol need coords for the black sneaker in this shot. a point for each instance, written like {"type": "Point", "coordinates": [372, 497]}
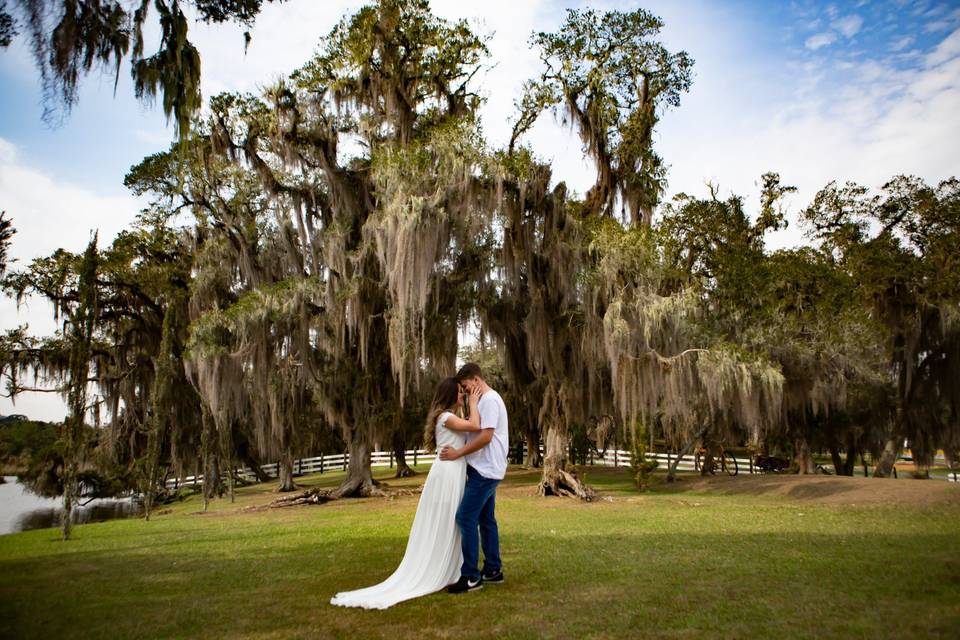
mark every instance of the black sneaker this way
{"type": "Point", "coordinates": [493, 578]}
{"type": "Point", "coordinates": [465, 584]}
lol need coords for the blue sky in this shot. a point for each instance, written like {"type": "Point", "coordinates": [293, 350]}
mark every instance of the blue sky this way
{"type": "Point", "coordinates": [857, 90]}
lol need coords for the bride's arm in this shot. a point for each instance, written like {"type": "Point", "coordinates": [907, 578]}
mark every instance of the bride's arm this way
{"type": "Point", "coordinates": [456, 423]}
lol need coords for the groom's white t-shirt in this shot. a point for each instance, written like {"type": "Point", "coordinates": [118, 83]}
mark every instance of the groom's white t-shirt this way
{"type": "Point", "coordinates": [491, 461]}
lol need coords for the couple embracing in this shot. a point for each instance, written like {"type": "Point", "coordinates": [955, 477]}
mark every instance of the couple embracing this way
{"type": "Point", "coordinates": [456, 510]}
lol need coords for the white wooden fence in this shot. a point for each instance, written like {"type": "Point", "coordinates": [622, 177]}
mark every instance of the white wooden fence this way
{"type": "Point", "coordinates": [320, 464]}
{"type": "Point", "coordinates": [688, 463]}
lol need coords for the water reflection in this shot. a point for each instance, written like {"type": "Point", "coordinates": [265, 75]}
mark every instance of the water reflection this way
{"type": "Point", "coordinates": [21, 510]}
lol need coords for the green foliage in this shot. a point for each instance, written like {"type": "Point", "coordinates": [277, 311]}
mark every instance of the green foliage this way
{"type": "Point", "coordinates": [133, 280]}
{"type": "Point", "coordinates": [640, 467]}
{"type": "Point", "coordinates": [899, 246]}
{"type": "Point", "coordinates": [173, 71]}
{"type": "Point", "coordinates": [71, 37]}
{"type": "Point", "coordinates": [23, 443]}
{"type": "Point", "coordinates": [490, 361]}
{"type": "Point", "coordinates": [612, 77]}
{"type": "Point", "coordinates": [8, 25]}
{"type": "Point", "coordinates": [243, 11]}
{"type": "Point", "coordinates": [34, 451]}
{"type": "Point", "coordinates": [316, 292]}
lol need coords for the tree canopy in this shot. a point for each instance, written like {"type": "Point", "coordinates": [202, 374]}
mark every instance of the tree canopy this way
{"type": "Point", "coordinates": [313, 252]}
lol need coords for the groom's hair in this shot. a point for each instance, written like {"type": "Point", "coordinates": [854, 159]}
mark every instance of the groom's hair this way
{"type": "Point", "coordinates": [469, 371]}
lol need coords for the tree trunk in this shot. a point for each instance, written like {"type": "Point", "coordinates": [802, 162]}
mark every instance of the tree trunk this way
{"type": "Point", "coordinates": [400, 456]}
{"type": "Point", "coordinates": [803, 458]}
{"type": "Point", "coordinates": [672, 470]}
{"type": "Point", "coordinates": [707, 465]}
{"type": "Point", "coordinates": [211, 480]}
{"type": "Point", "coordinates": [838, 463]}
{"type": "Point", "coordinates": [245, 454]}
{"type": "Point", "coordinates": [232, 474]}
{"type": "Point", "coordinates": [285, 472]}
{"type": "Point", "coordinates": [850, 462]}
{"type": "Point", "coordinates": [359, 481]}
{"type": "Point", "coordinates": [534, 459]}
{"type": "Point", "coordinates": [557, 479]}
{"type": "Point", "coordinates": [152, 463]}
{"type": "Point", "coordinates": [71, 453]}
{"type": "Point", "coordinates": [81, 333]}
{"type": "Point", "coordinates": [68, 500]}
{"type": "Point", "coordinates": [888, 457]}
{"type": "Point", "coordinates": [209, 460]}
{"type": "Point", "coordinates": [851, 458]}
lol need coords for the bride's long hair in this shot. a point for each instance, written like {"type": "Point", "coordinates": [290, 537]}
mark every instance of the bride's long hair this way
{"type": "Point", "coordinates": [446, 395]}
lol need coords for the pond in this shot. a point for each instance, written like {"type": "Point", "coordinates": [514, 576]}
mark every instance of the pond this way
{"type": "Point", "coordinates": [22, 510]}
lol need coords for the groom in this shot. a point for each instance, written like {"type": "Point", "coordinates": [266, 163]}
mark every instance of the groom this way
{"type": "Point", "coordinates": [486, 454]}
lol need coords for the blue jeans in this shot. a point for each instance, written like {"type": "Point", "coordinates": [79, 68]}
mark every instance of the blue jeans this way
{"type": "Point", "coordinates": [476, 513]}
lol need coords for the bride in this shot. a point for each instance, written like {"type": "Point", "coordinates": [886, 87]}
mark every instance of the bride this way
{"type": "Point", "coordinates": [433, 556]}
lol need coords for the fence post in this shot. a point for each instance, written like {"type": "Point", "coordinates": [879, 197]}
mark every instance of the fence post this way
{"type": "Point", "coordinates": [322, 458]}
{"type": "Point", "coordinates": [345, 454]}
{"type": "Point", "coordinates": [415, 451]}
{"type": "Point", "coordinates": [615, 460]}
{"type": "Point", "coordinates": [391, 459]}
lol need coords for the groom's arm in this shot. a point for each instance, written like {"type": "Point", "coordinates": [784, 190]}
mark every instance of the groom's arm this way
{"type": "Point", "coordinates": [481, 440]}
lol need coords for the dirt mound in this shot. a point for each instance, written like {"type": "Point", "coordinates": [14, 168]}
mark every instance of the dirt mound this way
{"type": "Point", "coordinates": [828, 489]}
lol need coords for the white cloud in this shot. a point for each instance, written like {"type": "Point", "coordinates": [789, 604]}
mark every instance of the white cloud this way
{"type": "Point", "coordinates": [820, 40]}
{"type": "Point", "coordinates": [283, 39]}
{"type": "Point", "coordinates": [867, 121]}
{"type": "Point", "coordinates": [948, 48]}
{"type": "Point", "coordinates": [939, 25]}
{"type": "Point", "coordinates": [901, 44]}
{"type": "Point", "coordinates": [849, 26]}
{"type": "Point", "coordinates": [159, 138]}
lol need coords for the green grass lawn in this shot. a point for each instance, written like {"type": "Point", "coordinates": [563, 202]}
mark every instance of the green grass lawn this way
{"type": "Point", "coordinates": [669, 563]}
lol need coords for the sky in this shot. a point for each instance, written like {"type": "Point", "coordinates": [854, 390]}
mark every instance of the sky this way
{"type": "Point", "coordinates": [817, 91]}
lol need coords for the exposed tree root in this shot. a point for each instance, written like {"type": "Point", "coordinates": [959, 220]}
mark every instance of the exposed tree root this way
{"type": "Point", "coordinates": [287, 488]}
{"type": "Point", "coordinates": [311, 496]}
{"type": "Point", "coordinates": [363, 486]}
{"type": "Point", "coordinates": [322, 496]}
{"type": "Point", "coordinates": [566, 484]}
{"type": "Point", "coordinates": [404, 471]}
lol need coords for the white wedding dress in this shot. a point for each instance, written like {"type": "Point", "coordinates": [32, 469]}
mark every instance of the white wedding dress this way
{"type": "Point", "coordinates": [433, 556]}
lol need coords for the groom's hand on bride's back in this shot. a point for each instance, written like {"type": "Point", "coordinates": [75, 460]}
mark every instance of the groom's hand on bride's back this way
{"type": "Point", "coordinates": [482, 439]}
{"type": "Point", "coordinates": [449, 453]}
